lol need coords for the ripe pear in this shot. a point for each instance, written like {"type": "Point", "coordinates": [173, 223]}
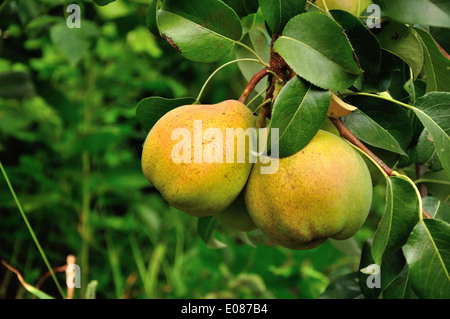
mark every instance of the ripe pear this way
{"type": "Point", "coordinates": [346, 5]}
{"type": "Point", "coordinates": [323, 191]}
{"type": "Point", "coordinates": [185, 156]}
{"type": "Point", "coordinates": [236, 216]}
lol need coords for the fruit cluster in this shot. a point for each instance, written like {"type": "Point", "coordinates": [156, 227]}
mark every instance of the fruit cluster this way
{"type": "Point", "coordinates": [323, 191]}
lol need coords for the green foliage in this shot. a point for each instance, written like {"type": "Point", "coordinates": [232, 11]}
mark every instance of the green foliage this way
{"type": "Point", "coordinates": [278, 13]}
{"type": "Point", "coordinates": [334, 65]}
{"type": "Point", "coordinates": [299, 102]}
{"type": "Point", "coordinates": [398, 220]}
{"type": "Point", "coordinates": [417, 11]}
{"type": "Point", "coordinates": [203, 31]}
{"type": "Point", "coordinates": [432, 110]}
{"type": "Point", "coordinates": [380, 123]}
{"type": "Point", "coordinates": [427, 253]}
{"type": "Point", "coordinates": [364, 43]}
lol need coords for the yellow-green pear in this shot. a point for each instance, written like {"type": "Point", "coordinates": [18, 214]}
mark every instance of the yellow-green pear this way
{"type": "Point", "coordinates": [236, 216]}
{"type": "Point", "coordinates": [351, 6]}
{"type": "Point", "coordinates": [193, 157]}
{"type": "Point", "coordinates": [323, 191]}
{"type": "Point", "coordinates": [375, 174]}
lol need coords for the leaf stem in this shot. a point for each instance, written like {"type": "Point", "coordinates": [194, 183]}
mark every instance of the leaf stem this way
{"type": "Point", "coordinates": [30, 229]}
{"type": "Point", "coordinates": [262, 104]}
{"type": "Point", "coordinates": [197, 100]}
{"type": "Point", "coordinates": [434, 181]}
{"type": "Point", "coordinates": [257, 96]}
{"type": "Point", "coordinates": [381, 97]}
{"type": "Point", "coordinates": [413, 88]}
{"type": "Point", "coordinates": [260, 60]}
{"type": "Point", "coordinates": [422, 211]}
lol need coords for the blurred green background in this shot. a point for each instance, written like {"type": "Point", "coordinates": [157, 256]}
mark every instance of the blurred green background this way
{"type": "Point", "coordinates": [71, 146]}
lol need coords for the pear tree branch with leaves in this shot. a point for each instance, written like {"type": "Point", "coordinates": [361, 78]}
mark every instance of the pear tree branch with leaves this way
{"type": "Point", "coordinates": [391, 84]}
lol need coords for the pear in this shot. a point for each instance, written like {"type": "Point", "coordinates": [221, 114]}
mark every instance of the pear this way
{"type": "Point", "coordinates": [375, 174]}
{"type": "Point", "coordinates": [193, 160]}
{"type": "Point", "coordinates": [323, 191]}
{"type": "Point", "coordinates": [346, 5]}
{"type": "Point", "coordinates": [236, 216]}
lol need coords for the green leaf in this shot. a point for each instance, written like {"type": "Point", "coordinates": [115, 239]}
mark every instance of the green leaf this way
{"type": "Point", "coordinates": [278, 13]}
{"type": "Point", "coordinates": [202, 31]}
{"type": "Point", "coordinates": [103, 2]}
{"type": "Point", "coordinates": [38, 293]}
{"type": "Point", "coordinates": [41, 22]}
{"type": "Point", "coordinates": [259, 41]}
{"type": "Point", "coordinates": [426, 152]}
{"type": "Point", "coordinates": [428, 255]}
{"type": "Point", "coordinates": [373, 279]}
{"type": "Point", "coordinates": [436, 208]}
{"type": "Point", "coordinates": [383, 81]}
{"type": "Point", "coordinates": [151, 109]}
{"type": "Point", "coordinates": [364, 42]}
{"type": "Point", "coordinates": [438, 185]}
{"type": "Point", "coordinates": [16, 85]}
{"type": "Point", "coordinates": [344, 287]}
{"type": "Point", "coordinates": [348, 246]}
{"type": "Point", "coordinates": [75, 42]}
{"type": "Point", "coordinates": [437, 65]}
{"type": "Point", "coordinates": [323, 57]}
{"type": "Point", "coordinates": [298, 113]}
{"type": "Point", "coordinates": [400, 217]}
{"type": "Point", "coordinates": [380, 123]}
{"type": "Point", "coordinates": [243, 7]}
{"type": "Point", "coordinates": [372, 292]}
{"type": "Point", "coordinates": [415, 12]}
{"type": "Point", "coordinates": [399, 40]}
{"type": "Point", "coordinates": [433, 111]}
{"type": "Point", "coordinates": [400, 287]}
{"type": "Point", "coordinates": [151, 18]}
{"type": "Point", "coordinates": [93, 142]}
{"type": "Point", "coordinates": [33, 290]}
{"type": "Point", "coordinates": [205, 229]}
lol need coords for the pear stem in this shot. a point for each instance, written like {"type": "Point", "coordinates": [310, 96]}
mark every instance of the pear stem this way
{"type": "Point", "coordinates": [197, 100]}
{"type": "Point", "coordinates": [345, 133]}
{"type": "Point", "coordinates": [252, 84]}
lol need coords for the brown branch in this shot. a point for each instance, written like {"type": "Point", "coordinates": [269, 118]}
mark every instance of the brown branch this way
{"type": "Point", "coordinates": [277, 64]}
{"type": "Point", "coordinates": [252, 84]}
{"type": "Point", "coordinates": [282, 73]}
{"type": "Point", "coordinates": [345, 133]}
{"type": "Point", "coordinates": [420, 169]}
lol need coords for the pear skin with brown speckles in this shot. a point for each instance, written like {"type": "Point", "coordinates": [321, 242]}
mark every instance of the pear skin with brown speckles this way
{"type": "Point", "coordinates": [323, 191]}
{"type": "Point", "coordinates": [187, 162]}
